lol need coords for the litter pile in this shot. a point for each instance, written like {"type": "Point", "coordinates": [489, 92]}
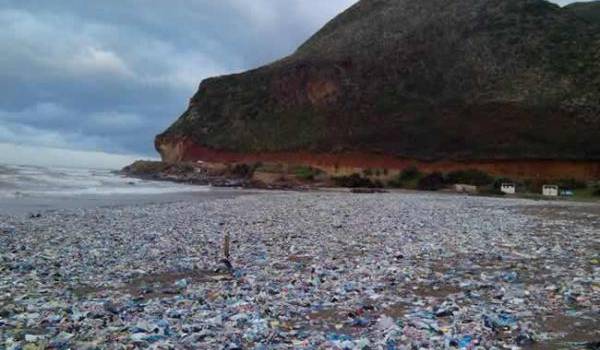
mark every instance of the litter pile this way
{"type": "Point", "coordinates": [308, 270]}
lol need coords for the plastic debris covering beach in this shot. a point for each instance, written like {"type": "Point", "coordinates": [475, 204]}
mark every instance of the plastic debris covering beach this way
{"type": "Point", "coordinates": [307, 271]}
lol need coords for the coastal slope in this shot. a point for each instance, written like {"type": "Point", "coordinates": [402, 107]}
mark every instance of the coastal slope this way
{"type": "Point", "coordinates": [507, 83]}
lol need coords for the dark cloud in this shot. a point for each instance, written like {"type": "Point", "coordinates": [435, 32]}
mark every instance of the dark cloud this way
{"type": "Point", "coordinates": [109, 75]}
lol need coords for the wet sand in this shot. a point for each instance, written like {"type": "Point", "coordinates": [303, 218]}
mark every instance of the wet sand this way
{"type": "Point", "coordinates": [40, 204]}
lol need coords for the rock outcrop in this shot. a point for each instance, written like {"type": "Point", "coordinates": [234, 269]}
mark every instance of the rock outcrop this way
{"type": "Point", "coordinates": [501, 85]}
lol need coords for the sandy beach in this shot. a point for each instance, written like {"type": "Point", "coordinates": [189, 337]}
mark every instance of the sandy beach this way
{"type": "Point", "coordinates": [310, 270]}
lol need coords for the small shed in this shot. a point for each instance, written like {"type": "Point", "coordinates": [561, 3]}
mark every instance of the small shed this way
{"type": "Point", "coordinates": [508, 188]}
{"type": "Point", "coordinates": [550, 191]}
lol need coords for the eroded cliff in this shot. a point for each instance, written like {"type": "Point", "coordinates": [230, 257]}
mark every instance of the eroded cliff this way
{"type": "Point", "coordinates": [433, 81]}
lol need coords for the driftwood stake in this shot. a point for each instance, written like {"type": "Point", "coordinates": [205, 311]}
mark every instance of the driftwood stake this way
{"type": "Point", "coordinates": [226, 242]}
{"type": "Point", "coordinates": [225, 260]}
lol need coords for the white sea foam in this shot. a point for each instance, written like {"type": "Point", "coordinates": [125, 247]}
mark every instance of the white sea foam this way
{"type": "Point", "coordinates": [30, 181]}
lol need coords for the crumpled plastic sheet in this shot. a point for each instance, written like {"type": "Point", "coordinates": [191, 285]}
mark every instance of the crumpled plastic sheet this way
{"type": "Point", "coordinates": [310, 271]}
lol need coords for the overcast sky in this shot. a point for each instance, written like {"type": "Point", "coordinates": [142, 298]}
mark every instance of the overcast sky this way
{"type": "Point", "coordinates": [109, 75]}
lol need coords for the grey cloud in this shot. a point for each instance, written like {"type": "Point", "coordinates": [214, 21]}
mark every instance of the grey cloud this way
{"type": "Point", "coordinates": [15, 133]}
{"type": "Point", "coordinates": [55, 157]}
{"type": "Point", "coordinates": [110, 75]}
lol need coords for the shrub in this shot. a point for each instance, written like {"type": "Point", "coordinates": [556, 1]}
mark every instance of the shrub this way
{"type": "Point", "coordinates": [356, 181]}
{"type": "Point", "coordinates": [273, 168]}
{"type": "Point", "coordinates": [408, 175]}
{"type": "Point", "coordinates": [534, 186]}
{"type": "Point", "coordinates": [306, 172]}
{"type": "Point", "coordinates": [469, 177]}
{"type": "Point", "coordinates": [395, 183]}
{"type": "Point", "coordinates": [378, 184]}
{"type": "Point", "coordinates": [572, 184]}
{"type": "Point", "coordinates": [242, 170]}
{"type": "Point", "coordinates": [596, 191]}
{"type": "Point", "coordinates": [431, 182]}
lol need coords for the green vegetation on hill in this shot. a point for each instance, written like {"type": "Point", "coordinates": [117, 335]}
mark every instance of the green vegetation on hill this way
{"type": "Point", "coordinates": [469, 177]}
{"type": "Point", "coordinates": [571, 184]}
{"type": "Point", "coordinates": [306, 172]}
{"type": "Point", "coordinates": [432, 182]}
{"type": "Point", "coordinates": [408, 178]}
{"type": "Point", "coordinates": [461, 79]}
{"type": "Point", "coordinates": [356, 181]}
{"type": "Point", "coordinates": [589, 11]}
{"type": "Point", "coordinates": [143, 168]}
{"type": "Point", "coordinates": [413, 178]}
{"type": "Point", "coordinates": [596, 190]}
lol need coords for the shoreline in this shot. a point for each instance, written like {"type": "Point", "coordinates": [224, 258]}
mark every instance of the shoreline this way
{"type": "Point", "coordinates": [281, 176]}
{"type": "Point", "coordinates": [44, 204]}
{"type": "Point", "coordinates": [294, 187]}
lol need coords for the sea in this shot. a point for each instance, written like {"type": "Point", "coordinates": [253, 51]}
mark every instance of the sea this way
{"type": "Point", "coordinates": [26, 189]}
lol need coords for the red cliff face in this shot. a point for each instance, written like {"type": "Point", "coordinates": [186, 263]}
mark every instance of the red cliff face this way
{"type": "Point", "coordinates": [511, 87]}
{"type": "Point", "coordinates": [178, 150]}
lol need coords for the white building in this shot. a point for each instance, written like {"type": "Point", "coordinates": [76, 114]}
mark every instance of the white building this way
{"type": "Point", "coordinates": [550, 191]}
{"type": "Point", "coordinates": [508, 188]}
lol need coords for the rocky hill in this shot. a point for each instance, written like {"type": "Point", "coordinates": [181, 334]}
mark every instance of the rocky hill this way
{"type": "Point", "coordinates": [468, 81]}
{"type": "Point", "coordinates": [589, 11]}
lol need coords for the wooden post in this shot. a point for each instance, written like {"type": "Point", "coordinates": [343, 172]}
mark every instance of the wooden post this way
{"type": "Point", "coordinates": [225, 259]}
{"type": "Point", "coordinates": [226, 242]}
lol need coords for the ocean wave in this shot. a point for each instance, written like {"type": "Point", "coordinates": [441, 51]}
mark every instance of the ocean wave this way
{"type": "Point", "coordinates": [29, 181]}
